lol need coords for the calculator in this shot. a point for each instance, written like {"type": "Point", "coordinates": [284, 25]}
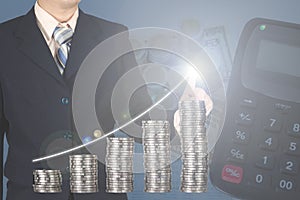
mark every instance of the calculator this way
{"type": "Point", "coordinates": [258, 153]}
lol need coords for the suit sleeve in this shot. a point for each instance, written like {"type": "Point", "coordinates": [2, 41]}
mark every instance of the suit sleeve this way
{"type": "Point", "coordinates": [3, 129]}
{"type": "Point", "coordinates": [140, 99]}
{"type": "Point", "coordinates": [112, 94]}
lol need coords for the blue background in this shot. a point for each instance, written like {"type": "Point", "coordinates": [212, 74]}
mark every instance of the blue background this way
{"type": "Point", "coordinates": [231, 14]}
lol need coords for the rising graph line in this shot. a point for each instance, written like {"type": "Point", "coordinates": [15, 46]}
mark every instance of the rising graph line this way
{"type": "Point", "coordinates": [113, 131]}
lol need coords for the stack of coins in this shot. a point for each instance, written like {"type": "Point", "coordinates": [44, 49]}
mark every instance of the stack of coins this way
{"type": "Point", "coordinates": [119, 165]}
{"type": "Point", "coordinates": [193, 146]}
{"type": "Point", "coordinates": [83, 173]}
{"type": "Point", "coordinates": [156, 143]}
{"type": "Point", "coordinates": [47, 181]}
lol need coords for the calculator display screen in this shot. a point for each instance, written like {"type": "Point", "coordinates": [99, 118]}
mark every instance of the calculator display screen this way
{"type": "Point", "coordinates": [278, 57]}
{"type": "Point", "coordinates": [270, 62]}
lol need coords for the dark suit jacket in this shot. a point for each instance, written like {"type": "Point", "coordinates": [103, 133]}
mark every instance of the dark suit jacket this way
{"type": "Point", "coordinates": [35, 100]}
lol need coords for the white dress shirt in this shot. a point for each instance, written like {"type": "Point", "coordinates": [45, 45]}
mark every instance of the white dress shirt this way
{"type": "Point", "coordinates": [47, 24]}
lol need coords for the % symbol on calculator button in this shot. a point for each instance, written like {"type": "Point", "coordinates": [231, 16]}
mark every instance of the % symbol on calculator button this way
{"type": "Point", "coordinates": [240, 135]}
{"type": "Point", "coordinates": [233, 172]}
{"type": "Point", "coordinates": [237, 154]}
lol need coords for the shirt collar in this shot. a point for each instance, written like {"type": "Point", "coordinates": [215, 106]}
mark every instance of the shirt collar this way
{"type": "Point", "coordinates": [47, 22]}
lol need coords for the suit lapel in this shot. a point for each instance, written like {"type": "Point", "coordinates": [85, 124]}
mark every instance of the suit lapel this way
{"type": "Point", "coordinates": [86, 37]}
{"type": "Point", "coordinates": [33, 45]}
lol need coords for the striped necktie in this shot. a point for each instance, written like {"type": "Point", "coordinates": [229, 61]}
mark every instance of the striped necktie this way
{"type": "Point", "coordinates": [63, 37]}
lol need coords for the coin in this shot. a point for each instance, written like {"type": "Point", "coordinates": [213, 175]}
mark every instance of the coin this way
{"type": "Point", "coordinates": [194, 149]}
{"type": "Point", "coordinates": [119, 165]}
{"type": "Point", "coordinates": [156, 146]}
{"type": "Point", "coordinates": [83, 173]}
{"type": "Point", "coordinates": [47, 181]}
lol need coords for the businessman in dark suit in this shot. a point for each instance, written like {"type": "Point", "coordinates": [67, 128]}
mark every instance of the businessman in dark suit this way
{"type": "Point", "coordinates": [36, 89]}
{"type": "Point", "coordinates": [40, 54]}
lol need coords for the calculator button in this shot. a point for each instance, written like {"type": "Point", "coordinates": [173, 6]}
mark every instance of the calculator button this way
{"type": "Point", "coordinates": [248, 102]}
{"type": "Point", "coordinates": [244, 118]}
{"type": "Point", "coordinates": [282, 108]}
{"type": "Point", "coordinates": [289, 166]}
{"type": "Point", "coordinates": [241, 136]}
{"type": "Point", "coordinates": [273, 123]}
{"type": "Point", "coordinates": [232, 174]}
{"type": "Point", "coordinates": [269, 143]}
{"type": "Point", "coordinates": [260, 180]}
{"type": "Point", "coordinates": [265, 162]}
{"type": "Point", "coordinates": [237, 155]}
{"type": "Point", "coordinates": [294, 129]}
{"type": "Point", "coordinates": [285, 184]}
{"type": "Point", "coordinates": [292, 147]}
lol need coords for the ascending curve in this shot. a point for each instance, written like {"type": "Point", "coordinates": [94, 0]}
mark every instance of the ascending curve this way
{"type": "Point", "coordinates": [111, 132]}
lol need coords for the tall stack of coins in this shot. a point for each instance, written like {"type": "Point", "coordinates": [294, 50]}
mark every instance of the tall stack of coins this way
{"type": "Point", "coordinates": [156, 143]}
{"type": "Point", "coordinates": [119, 165]}
{"type": "Point", "coordinates": [193, 146]}
{"type": "Point", "coordinates": [83, 173]}
{"type": "Point", "coordinates": [47, 181]}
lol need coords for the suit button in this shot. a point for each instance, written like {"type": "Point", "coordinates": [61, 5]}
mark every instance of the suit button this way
{"type": "Point", "coordinates": [67, 169]}
{"type": "Point", "coordinates": [68, 136]}
{"type": "Point", "coordinates": [65, 100]}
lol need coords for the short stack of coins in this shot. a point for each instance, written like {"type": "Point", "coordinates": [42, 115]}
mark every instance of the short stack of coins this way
{"type": "Point", "coordinates": [194, 172]}
{"type": "Point", "coordinates": [47, 181]}
{"type": "Point", "coordinates": [83, 173]}
{"type": "Point", "coordinates": [157, 161]}
{"type": "Point", "coordinates": [119, 165]}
